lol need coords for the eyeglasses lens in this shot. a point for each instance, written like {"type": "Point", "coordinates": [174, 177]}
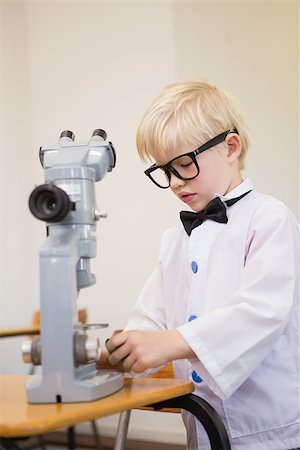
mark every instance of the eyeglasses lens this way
{"type": "Point", "coordinates": [161, 177]}
{"type": "Point", "coordinates": [184, 167]}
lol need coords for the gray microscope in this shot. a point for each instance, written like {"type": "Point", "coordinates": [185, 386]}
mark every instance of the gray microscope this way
{"type": "Point", "coordinates": [67, 203]}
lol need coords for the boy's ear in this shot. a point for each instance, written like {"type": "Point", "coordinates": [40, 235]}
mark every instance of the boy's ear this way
{"type": "Point", "coordinates": [234, 147]}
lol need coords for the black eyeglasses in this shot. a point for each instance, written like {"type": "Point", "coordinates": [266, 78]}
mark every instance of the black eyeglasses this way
{"type": "Point", "coordinates": [183, 166]}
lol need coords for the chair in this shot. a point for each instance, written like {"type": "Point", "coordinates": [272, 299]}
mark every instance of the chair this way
{"type": "Point", "coordinates": [124, 418]}
{"type": "Point", "coordinates": [36, 323]}
{"type": "Point", "coordinates": [202, 410]}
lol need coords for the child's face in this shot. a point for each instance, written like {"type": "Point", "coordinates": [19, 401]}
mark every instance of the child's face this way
{"type": "Point", "coordinates": [219, 173]}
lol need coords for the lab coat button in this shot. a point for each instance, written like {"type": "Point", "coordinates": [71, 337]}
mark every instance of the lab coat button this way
{"type": "Point", "coordinates": [192, 317]}
{"type": "Point", "coordinates": [194, 267]}
{"type": "Point", "coordinates": [196, 377]}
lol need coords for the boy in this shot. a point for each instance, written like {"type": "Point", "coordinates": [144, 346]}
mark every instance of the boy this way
{"type": "Point", "coordinates": [223, 301]}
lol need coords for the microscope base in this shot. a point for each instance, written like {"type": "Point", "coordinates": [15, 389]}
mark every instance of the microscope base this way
{"type": "Point", "coordinates": [88, 386]}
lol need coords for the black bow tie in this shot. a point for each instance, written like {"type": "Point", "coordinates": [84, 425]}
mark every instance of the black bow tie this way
{"type": "Point", "coordinates": [215, 210]}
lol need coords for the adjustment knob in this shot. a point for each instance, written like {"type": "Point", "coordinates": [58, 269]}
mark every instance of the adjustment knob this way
{"type": "Point", "coordinates": [99, 214]}
{"type": "Point", "coordinates": [86, 349]}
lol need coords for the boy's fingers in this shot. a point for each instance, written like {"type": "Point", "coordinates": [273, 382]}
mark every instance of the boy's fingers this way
{"type": "Point", "coordinates": [115, 358]}
{"type": "Point", "coordinates": [110, 346]}
{"type": "Point", "coordinates": [117, 332]}
{"type": "Point", "coordinates": [127, 363]}
{"type": "Point", "coordinates": [118, 355]}
{"type": "Point", "coordinates": [114, 333]}
{"type": "Point", "coordinates": [115, 341]}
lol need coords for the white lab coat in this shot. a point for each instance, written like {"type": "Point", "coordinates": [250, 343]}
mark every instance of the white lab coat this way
{"type": "Point", "coordinates": [232, 291]}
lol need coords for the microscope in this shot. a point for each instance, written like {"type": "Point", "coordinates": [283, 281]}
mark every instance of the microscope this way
{"type": "Point", "coordinates": [67, 203]}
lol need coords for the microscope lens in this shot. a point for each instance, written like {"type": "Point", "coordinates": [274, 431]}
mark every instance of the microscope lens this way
{"type": "Point", "coordinates": [49, 203]}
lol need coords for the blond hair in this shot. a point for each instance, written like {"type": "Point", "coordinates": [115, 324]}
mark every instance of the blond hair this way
{"type": "Point", "coordinates": [186, 115]}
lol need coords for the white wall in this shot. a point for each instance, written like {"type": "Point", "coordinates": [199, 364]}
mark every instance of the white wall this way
{"type": "Point", "coordinates": [84, 65]}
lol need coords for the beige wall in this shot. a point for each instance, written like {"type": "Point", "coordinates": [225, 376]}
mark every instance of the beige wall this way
{"type": "Point", "coordinates": [84, 65]}
{"type": "Point", "coordinates": [252, 50]}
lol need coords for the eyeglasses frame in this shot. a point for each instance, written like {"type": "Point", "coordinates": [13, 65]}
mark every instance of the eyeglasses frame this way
{"type": "Point", "coordinates": [167, 168]}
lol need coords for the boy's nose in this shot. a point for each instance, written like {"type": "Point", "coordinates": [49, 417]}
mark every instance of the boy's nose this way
{"type": "Point", "coordinates": [176, 182]}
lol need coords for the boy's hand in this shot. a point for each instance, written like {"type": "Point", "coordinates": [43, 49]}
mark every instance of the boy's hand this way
{"type": "Point", "coordinates": [138, 351]}
{"type": "Point", "coordinates": [103, 361]}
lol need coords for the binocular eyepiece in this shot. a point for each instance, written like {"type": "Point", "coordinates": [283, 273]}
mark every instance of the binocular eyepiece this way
{"type": "Point", "coordinates": [50, 203]}
{"type": "Point", "coordinates": [71, 169]}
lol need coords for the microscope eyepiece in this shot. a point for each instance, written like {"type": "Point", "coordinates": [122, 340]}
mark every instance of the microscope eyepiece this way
{"type": "Point", "coordinates": [99, 132]}
{"type": "Point", "coordinates": [68, 134]}
{"type": "Point", "coordinates": [49, 203]}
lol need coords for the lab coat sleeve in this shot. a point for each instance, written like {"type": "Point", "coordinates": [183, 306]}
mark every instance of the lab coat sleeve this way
{"type": "Point", "coordinates": [231, 342]}
{"type": "Point", "coordinates": [149, 311]}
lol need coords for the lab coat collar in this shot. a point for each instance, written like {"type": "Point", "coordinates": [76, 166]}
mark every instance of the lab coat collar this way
{"type": "Point", "coordinates": [245, 186]}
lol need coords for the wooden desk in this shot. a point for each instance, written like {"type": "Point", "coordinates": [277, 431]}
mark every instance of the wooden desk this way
{"type": "Point", "coordinates": [24, 331]}
{"type": "Point", "coordinates": [18, 418]}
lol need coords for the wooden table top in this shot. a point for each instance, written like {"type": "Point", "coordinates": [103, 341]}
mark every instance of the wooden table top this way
{"type": "Point", "coordinates": [19, 418]}
{"type": "Point", "coordinates": [24, 331]}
